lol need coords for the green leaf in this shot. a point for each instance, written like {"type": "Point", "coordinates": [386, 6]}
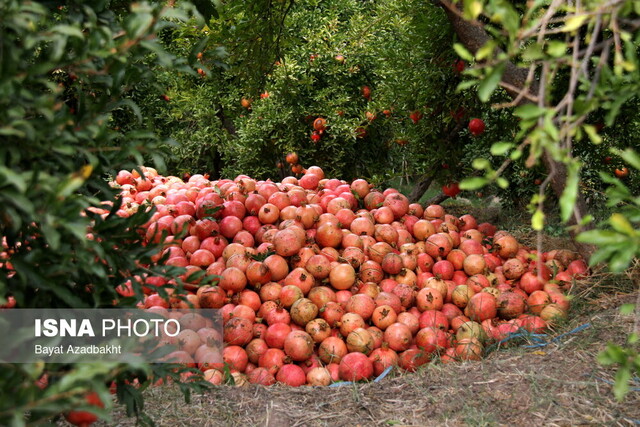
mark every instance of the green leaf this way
{"type": "Point", "coordinates": [68, 30]}
{"type": "Point", "coordinates": [537, 220]}
{"type": "Point", "coordinates": [481, 164]}
{"type": "Point", "coordinates": [629, 156]}
{"type": "Point", "coordinates": [617, 103]}
{"type": "Point", "coordinates": [139, 23]}
{"type": "Point", "coordinates": [52, 235]}
{"type": "Point", "coordinates": [593, 134]}
{"type": "Point", "coordinates": [134, 108]}
{"type": "Point", "coordinates": [463, 52]}
{"type": "Point", "coordinates": [621, 387]}
{"type": "Point", "coordinates": [206, 8]}
{"type": "Point", "coordinates": [529, 111]}
{"type": "Point", "coordinates": [464, 85]}
{"type": "Point", "coordinates": [627, 309]}
{"type": "Point", "coordinates": [532, 52]}
{"type": "Point", "coordinates": [198, 48]}
{"type": "Point", "coordinates": [473, 183]}
{"type": "Point", "coordinates": [472, 9]}
{"type": "Point", "coordinates": [501, 148]}
{"type": "Point", "coordinates": [574, 22]}
{"type": "Point", "coordinates": [587, 219]}
{"type": "Point", "coordinates": [601, 255]}
{"type": "Point", "coordinates": [550, 128]}
{"type": "Point", "coordinates": [502, 182]}
{"type": "Point", "coordinates": [486, 50]}
{"type": "Point", "coordinates": [505, 14]}
{"type": "Point", "coordinates": [490, 83]}
{"type": "Point", "coordinates": [621, 260]}
{"type": "Point", "coordinates": [599, 237]}
{"type": "Point", "coordinates": [556, 48]}
{"type": "Point", "coordinates": [620, 223]}
{"type": "Point", "coordinates": [611, 354]}
{"type": "Point", "coordinates": [13, 178]}
{"type": "Point", "coordinates": [570, 193]}
{"type": "Point", "coordinates": [9, 131]}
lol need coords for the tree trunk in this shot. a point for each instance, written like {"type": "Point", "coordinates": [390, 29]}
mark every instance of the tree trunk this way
{"type": "Point", "coordinates": [420, 188]}
{"type": "Point", "coordinates": [227, 123]}
{"type": "Point", "coordinates": [436, 200]}
{"type": "Point", "coordinates": [558, 184]}
{"type": "Point", "coordinates": [473, 36]}
{"type": "Point", "coordinates": [423, 185]}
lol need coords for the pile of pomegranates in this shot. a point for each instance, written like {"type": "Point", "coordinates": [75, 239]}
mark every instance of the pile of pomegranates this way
{"type": "Point", "coordinates": [321, 280]}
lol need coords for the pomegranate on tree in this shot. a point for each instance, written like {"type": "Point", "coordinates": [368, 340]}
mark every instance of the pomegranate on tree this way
{"type": "Point", "coordinates": [476, 127]}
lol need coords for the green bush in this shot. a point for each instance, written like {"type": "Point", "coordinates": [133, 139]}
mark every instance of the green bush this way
{"type": "Point", "coordinates": [67, 76]}
{"type": "Point", "coordinates": [313, 60]}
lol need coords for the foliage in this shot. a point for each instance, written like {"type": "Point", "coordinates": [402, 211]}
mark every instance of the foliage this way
{"type": "Point", "coordinates": [618, 241]}
{"type": "Point", "coordinates": [618, 238]}
{"type": "Point", "coordinates": [626, 357]}
{"type": "Point", "coordinates": [320, 55]}
{"type": "Point", "coordinates": [66, 76]}
{"type": "Point", "coordinates": [571, 84]}
{"type": "Point", "coordinates": [577, 106]}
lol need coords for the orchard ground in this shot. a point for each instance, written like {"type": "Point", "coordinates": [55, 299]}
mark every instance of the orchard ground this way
{"type": "Point", "coordinates": [558, 384]}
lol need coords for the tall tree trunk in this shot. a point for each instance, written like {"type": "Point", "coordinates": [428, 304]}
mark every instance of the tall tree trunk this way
{"type": "Point", "coordinates": [473, 36]}
{"type": "Point", "coordinates": [437, 199]}
{"type": "Point", "coordinates": [425, 181]}
{"type": "Point", "coordinates": [216, 158]}
{"type": "Point", "coordinates": [558, 183]}
{"type": "Point", "coordinates": [420, 188]}
{"type": "Point", "coordinates": [227, 123]}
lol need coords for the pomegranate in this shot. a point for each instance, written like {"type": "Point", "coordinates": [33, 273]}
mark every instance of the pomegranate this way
{"type": "Point", "coordinates": [434, 319]}
{"type": "Point", "coordinates": [429, 299]}
{"type": "Point", "coordinates": [319, 377]}
{"type": "Point", "coordinates": [439, 245]}
{"type": "Point", "coordinates": [360, 340]}
{"type": "Point", "coordinates": [235, 357]}
{"type": "Point", "coordinates": [291, 375]}
{"type": "Point", "coordinates": [350, 322]}
{"type": "Point", "coordinates": [84, 418]}
{"type": "Point", "coordinates": [303, 311]}
{"type": "Point", "coordinates": [318, 329]}
{"type": "Point", "coordinates": [238, 331]}
{"type": "Point", "coordinates": [342, 276]}
{"type": "Point", "coordinates": [482, 306]}
{"type": "Point", "coordinates": [398, 336]}
{"type": "Point", "coordinates": [261, 376]}
{"type": "Point", "coordinates": [513, 269]}
{"type": "Point", "coordinates": [332, 350]}
{"type": "Point", "coordinates": [552, 314]}
{"type": "Point", "coordinates": [432, 340]}
{"type": "Point", "coordinates": [272, 359]}
{"type": "Point", "coordinates": [298, 345]}
{"type": "Point", "coordinates": [410, 360]}
{"type": "Point", "coordinates": [476, 127]}
{"type": "Point", "coordinates": [355, 367]}
{"type": "Point", "coordinates": [506, 246]}
{"type": "Point", "coordinates": [469, 349]}
{"type": "Point", "coordinates": [362, 305]}
{"type": "Point", "coordinates": [510, 305]}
